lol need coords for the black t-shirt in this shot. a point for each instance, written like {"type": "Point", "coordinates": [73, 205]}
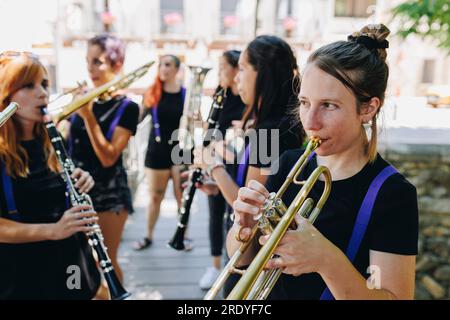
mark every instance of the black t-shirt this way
{"type": "Point", "coordinates": [232, 110]}
{"type": "Point", "coordinates": [268, 141]}
{"type": "Point", "coordinates": [170, 110]}
{"type": "Point", "coordinates": [38, 270]}
{"type": "Point", "coordinates": [393, 226]}
{"type": "Point", "coordinates": [82, 151]}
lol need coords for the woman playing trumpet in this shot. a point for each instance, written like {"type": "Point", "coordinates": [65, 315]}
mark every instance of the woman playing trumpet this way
{"type": "Point", "coordinates": [342, 89]}
{"type": "Point", "coordinates": [41, 239]}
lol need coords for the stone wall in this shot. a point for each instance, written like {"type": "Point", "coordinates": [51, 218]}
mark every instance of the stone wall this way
{"type": "Point", "coordinates": [428, 168]}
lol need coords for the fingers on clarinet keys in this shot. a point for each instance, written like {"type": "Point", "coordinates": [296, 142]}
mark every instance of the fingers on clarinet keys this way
{"type": "Point", "coordinates": [83, 180]}
{"type": "Point", "coordinates": [77, 219]}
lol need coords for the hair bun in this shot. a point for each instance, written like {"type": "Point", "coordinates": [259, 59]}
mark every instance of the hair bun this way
{"type": "Point", "coordinates": [373, 37]}
{"type": "Point", "coordinates": [369, 42]}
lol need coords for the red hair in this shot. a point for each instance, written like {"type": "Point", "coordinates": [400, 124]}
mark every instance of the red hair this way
{"type": "Point", "coordinates": [15, 73]}
{"type": "Point", "coordinates": [153, 94]}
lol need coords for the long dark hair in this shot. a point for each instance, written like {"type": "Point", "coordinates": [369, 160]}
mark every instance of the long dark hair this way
{"type": "Point", "coordinates": [232, 58]}
{"type": "Point", "coordinates": [277, 81]}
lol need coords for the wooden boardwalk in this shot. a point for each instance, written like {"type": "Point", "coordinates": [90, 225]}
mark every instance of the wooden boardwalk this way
{"type": "Point", "coordinates": [160, 272]}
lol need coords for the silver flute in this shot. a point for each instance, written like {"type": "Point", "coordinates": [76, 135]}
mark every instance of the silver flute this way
{"type": "Point", "coordinates": [8, 112]}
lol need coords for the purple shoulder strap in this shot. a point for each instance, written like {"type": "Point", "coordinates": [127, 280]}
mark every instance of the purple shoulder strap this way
{"type": "Point", "coordinates": [116, 118]}
{"type": "Point", "coordinates": [363, 218]}
{"type": "Point", "coordinates": [69, 138]}
{"type": "Point", "coordinates": [13, 214]}
{"type": "Point", "coordinates": [242, 167]}
{"type": "Point", "coordinates": [183, 95]}
{"type": "Point", "coordinates": [111, 129]}
{"type": "Point", "coordinates": [155, 119]}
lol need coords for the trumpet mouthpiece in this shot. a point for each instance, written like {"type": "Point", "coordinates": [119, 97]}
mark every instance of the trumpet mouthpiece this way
{"type": "Point", "coordinates": [315, 142]}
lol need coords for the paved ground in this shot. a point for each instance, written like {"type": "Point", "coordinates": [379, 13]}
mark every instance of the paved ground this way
{"type": "Point", "coordinates": [161, 272]}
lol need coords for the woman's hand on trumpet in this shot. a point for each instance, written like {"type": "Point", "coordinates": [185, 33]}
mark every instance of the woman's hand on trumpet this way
{"type": "Point", "coordinates": [86, 110]}
{"type": "Point", "coordinates": [248, 206]}
{"type": "Point", "coordinates": [303, 250]}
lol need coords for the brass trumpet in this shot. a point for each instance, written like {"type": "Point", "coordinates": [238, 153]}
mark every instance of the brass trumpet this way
{"type": "Point", "coordinates": [107, 88]}
{"type": "Point", "coordinates": [8, 112]}
{"type": "Point", "coordinates": [257, 283]}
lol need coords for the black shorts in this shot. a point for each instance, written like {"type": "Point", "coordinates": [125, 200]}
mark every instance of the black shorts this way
{"type": "Point", "coordinates": [111, 192]}
{"type": "Point", "coordinates": [159, 156]}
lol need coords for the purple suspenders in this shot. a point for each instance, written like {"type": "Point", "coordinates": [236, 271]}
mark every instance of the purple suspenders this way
{"type": "Point", "coordinates": [363, 218]}
{"type": "Point", "coordinates": [116, 119]}
{"type": "Point", "coordinates": [155, 119]}
{"type": "Point", "coordinates": [13, 214]}
{"type": "Point", "coordinates": [11, 207]}
{"type": "Point", "coordinates": [242, 167]}
{"type": "Point", "coordinates": [119, 112]}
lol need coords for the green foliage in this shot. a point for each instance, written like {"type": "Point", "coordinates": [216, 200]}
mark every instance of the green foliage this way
{"type": "Point", "coordinates": [425, 18]}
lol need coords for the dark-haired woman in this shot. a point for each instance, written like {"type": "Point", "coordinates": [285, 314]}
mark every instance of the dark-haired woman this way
{"type": "Point", "coordinates": [164, 99]}
{"type": "Point", "coordinates": [265, 81]}
{"type": "Point", "coordinates": [233, 108]}
{"type": "Point", "coordinates": [364, 242]}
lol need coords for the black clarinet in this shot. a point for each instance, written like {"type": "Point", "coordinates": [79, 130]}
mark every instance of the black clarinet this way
{"type": "Point", "coordinates": [116, 290]}
{"type": "Point", "coordinates": [196, 175]}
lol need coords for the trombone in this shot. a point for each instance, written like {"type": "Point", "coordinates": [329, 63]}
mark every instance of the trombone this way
{"type": "Point", "coordinates": [8, 112]}
{"type": "Point", "coordinates": [107, 88]}
{"type": "Point", "coordinates": [257, 283]}
{"type": "Point", "coordinates": [79, 86]}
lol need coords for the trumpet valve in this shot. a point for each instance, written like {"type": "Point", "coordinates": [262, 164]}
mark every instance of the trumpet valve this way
{"type": "Point", "coordinates": [272, 216]}
{"type": "Point", "coordinates": [265, 226]}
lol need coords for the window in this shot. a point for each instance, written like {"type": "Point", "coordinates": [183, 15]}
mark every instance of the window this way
{"type": "Point", "coordinates": [171, 16]}
{"type": "Point", "coordinates": [353, 8]}
{"type": "Point", "coordinates": [229, 21]}
{"type": "Point", "coordinates": [428, 71]}
{"type": "Point", "coordinates": [285, 21]}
